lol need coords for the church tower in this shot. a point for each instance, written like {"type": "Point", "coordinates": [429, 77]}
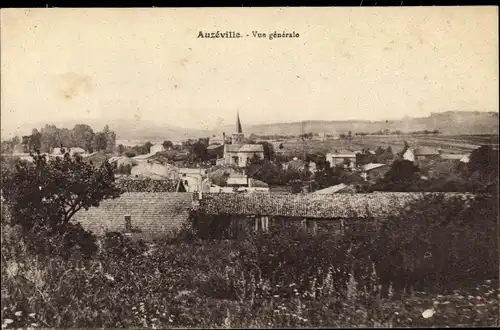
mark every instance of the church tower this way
{"type": "Point", "coordinates": [238, 137]}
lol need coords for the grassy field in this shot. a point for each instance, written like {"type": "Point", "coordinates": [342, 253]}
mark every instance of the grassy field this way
{"type": "Point", "coordinates": [448, 143]}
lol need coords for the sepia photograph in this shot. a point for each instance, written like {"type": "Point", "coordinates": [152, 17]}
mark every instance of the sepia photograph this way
{"type": "Point", "coordinates": [311, 167]}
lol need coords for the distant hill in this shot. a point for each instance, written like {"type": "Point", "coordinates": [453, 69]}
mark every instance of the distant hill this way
{"type": "Point", "coordinates": [450, 122]}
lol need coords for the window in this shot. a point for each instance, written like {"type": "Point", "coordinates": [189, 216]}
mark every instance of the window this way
{"type": "Point", "coordinates": [235, 159]}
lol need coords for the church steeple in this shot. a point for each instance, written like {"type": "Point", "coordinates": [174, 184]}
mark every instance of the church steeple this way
{"type": "Point", "coordinates": [238, 123]}
{"type": "Point", "coordinates": [238, 136]}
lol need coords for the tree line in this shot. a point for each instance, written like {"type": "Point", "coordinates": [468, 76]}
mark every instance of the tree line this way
{"type": "Point", "coordinates": [80, 136]}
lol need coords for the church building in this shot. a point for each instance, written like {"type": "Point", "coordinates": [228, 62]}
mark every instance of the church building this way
{"type": "Point", "coordinates": [238, 153]}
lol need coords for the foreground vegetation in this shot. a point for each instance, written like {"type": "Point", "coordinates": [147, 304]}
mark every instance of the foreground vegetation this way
{"type": "Point", "coordinates": [415, 273]}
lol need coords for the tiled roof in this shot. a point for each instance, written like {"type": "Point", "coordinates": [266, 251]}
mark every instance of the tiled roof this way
{"type": "Point", "coordinates": [214, 146]}
{"type": "Point", "coordinates": [372, 166]}
{"type": "Point", "coordinates": [332, 189]}
{"type": "Point", "coordinates": [251, 148]}
{"type": "Point", "coordinates": [153, 213]}
{"type": "Point", "coordinates": [309, 206]}
{"type": "Point", "coordinates": [244, 148]}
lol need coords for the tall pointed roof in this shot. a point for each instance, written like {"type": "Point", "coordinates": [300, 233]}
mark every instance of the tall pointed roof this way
{"type": "Point", "coordinates": [238, 123]}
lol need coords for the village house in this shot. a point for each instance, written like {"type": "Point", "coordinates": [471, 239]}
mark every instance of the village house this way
{"type": "Point", "coordinates": [341, 158]}
{"type": "Point", "coordinates": [372, 172]}
{"type": "Point", "coordinates": [218, 140]}
{"type": "Point", "coordinates": [238, 153]}
{"type": "Point", "coordinates": [156, 148]}
{"type": "Point", "coordinates": [300, 165]}
{"type": "Point", "coordinates": [153, 169]}
{"type": "Point", "coordinates": [193, 180]}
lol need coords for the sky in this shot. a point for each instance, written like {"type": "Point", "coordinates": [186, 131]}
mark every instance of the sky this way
{"type": "Point", "coordinates": [149, 64]}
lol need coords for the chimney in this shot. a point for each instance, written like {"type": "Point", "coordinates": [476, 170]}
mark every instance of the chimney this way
{"type": "Point", "coordinates": [223, 138]}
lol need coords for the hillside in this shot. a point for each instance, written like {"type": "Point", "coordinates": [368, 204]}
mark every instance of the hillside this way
{"type": "Point", "coordinates": [451, 122]}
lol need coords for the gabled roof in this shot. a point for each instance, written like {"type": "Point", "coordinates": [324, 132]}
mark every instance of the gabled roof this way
{"type": "Point", "coordinates": [232, 147]}
{"type": "Point", "coordinates": [154, 213]}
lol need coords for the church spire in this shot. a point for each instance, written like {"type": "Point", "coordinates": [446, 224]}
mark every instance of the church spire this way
{"type": "Point", "coordinates": [238, 123]}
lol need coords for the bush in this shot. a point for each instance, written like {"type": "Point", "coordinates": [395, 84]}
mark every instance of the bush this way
{"type": "Point", "coordinates": [130, 154]}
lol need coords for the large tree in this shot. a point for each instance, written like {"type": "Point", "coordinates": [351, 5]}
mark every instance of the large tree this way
{"type": "Point", "coordinates": [199, 150]}
{"type": "Point", "coordinates": [99, 141]}
{"type": "Point", "coordinates": [83, 136]}
{"type": "Point", "coordinates": [48, 193]}
{"type": "Point", "coordinates": [110, 138]}
{"type": "Point", "coordinates": [167, 144]}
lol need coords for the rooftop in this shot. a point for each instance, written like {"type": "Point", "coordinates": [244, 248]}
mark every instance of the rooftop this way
{"type": "Point", "coordinates": [323, 206]}
{"type": "Point", "coordinates": [452, 156]}
{"type": "Point", "coordinates": [332, 189]}
{"type": "Point", "coordinates": [153, 212]}
{"type": "Point", "coordinates": [372, 166]}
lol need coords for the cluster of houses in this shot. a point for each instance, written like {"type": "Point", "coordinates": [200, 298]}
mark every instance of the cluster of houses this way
{"type": "Point", "coordinates": [247, 203]}
{"type": "Point", "coordinates": [241, 200]}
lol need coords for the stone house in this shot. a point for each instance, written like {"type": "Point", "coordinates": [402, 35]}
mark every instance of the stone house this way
{"type": "Point", "coordinates": [341, 158]}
